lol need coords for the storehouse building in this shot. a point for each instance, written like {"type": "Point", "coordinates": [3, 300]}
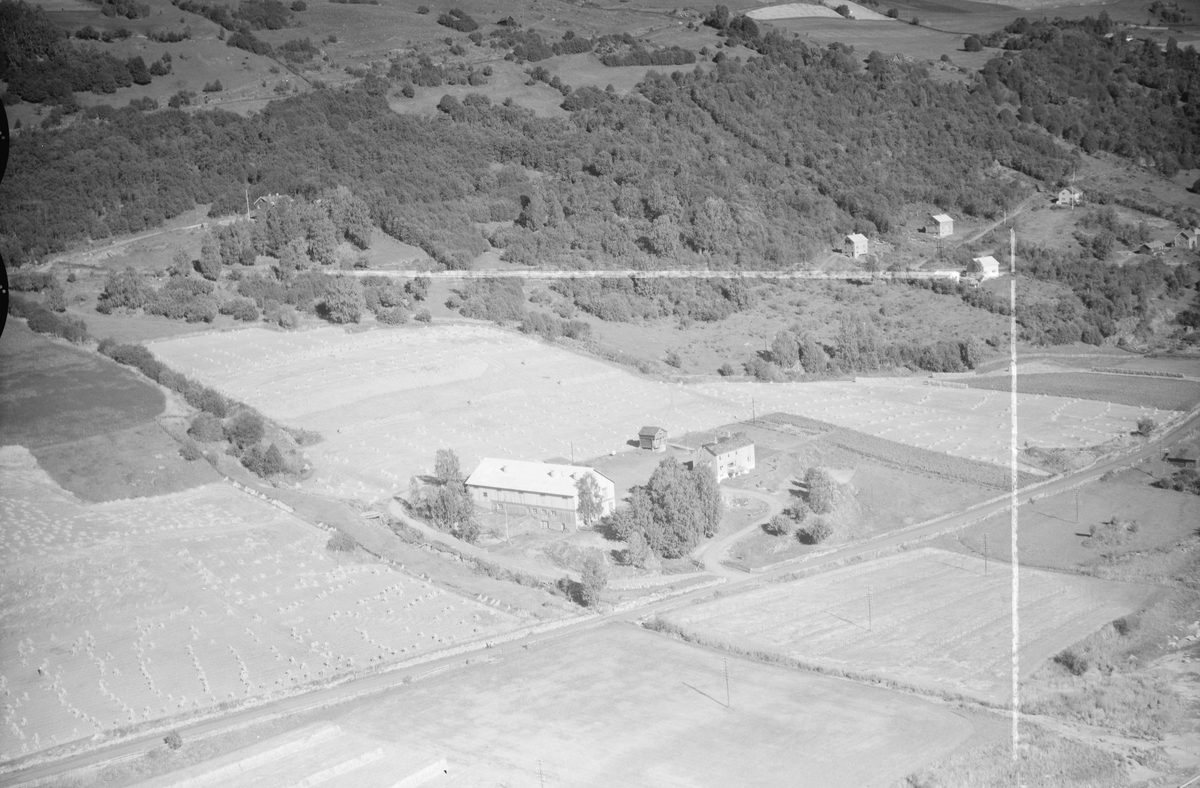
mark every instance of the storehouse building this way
{"type": "Point", "coordinates": [541, 490]}
{"type": "Point", "coordinates": [652, 438]}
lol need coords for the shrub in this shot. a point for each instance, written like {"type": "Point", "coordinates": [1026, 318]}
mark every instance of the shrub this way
{"type": "Point", "coordinates": [594, 579]}
{"type": "Point", "coordinates": [173, 740]}
{"type": "Point", "coordinates": [815, 532]}
{"type": "Point", "coordinates": [780, 525]}
{"type": "Point", "coordinates": [972, 44]}
{"type": "Point", "coordinates": [1146, 427]}
{"type": "Point", "coordinates": [392, 316]}
{"type": "Point", "coordinates": [341, 542]}
{"type": "Point", "coordinates": [190, 451]}
{"type": "Point", "coordinates": [422, 9]}
{"type": "Point", "coordinates": [1125, 625]}
{"type": "Point", "coordinates": [423, 316]}
{"type": "Point", "coordinates": [205, 399]}
{"type": "Point", "coordinates": [264, 462]}
{"type": "Point", "coordinates": [206, 428]}
{"type": "Point", "coordinates": [1075, 664]}
{"type": "Point", "coordinates": [246, 428]}
{"type": "Point", "coordinates": [458, 20]}
{"type": "Point", "coordinates": [213, 87]}
{"type": "Point", "coordinates": [240, 309]}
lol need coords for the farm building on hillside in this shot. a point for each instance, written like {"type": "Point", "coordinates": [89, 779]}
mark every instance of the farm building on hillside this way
{"type": "Point", "coordinates": [939, 226]}
{"type": "Point", "coordinates": [653, 438]}
{"type": "Point", "coordinates": [1152, 247]}
{"type": "Point", "coordinates": [1185, 239]}
{"type": "Point", "coordinates": [730, 456]}
{"type": "Point", "coordinates": [1071, 195]}
{"type": "Point", "coordinates": [855, 246]}
{"type": "Point", "coordinates": [989, 267]}
{"type": "Point", "coordinates": [1183, 456]}
{"type": "Point", "coordinates": [542, 490]}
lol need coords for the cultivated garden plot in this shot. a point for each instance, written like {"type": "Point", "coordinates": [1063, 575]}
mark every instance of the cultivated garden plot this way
{"type": "Point", "coordinates": [386, 400]}
{"type": "Point", "coordinates": [927, 618]}
{"type": "Point", "coordinates": [130, 611]}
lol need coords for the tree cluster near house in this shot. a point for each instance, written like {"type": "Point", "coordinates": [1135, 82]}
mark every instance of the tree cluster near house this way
{"type": "Point", "coordinates": [444, 501]}
{"type": "Point", "coordinates": [673, 511]}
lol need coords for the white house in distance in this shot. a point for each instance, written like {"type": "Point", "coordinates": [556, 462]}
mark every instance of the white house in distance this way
{"type": "Point", "coordinates": [939, 225]}
{"type": "Point", "coordinates": [1071, 195]}
{"type": "Point", "coordinates": [855, 246]}
{"type": "Point", "coordinates": [989, 267]}
{"type": "Point", "coordinates": [730, 456]}
{"type": "Point", "coordinates": [542, 490]}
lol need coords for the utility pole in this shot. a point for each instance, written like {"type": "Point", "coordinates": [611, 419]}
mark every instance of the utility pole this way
{"type": "Point", "coordinates": [541, 775]}
{"type": "Point", "coordinates": [752, 409]}
{"type": "Point", "coordinates": [247, 202]}
{"type": "Point", "coordinates": [869, 609]}
{"type": "Point", "coordinates": [572, 452]}
{"type": "Point", "coordinates": [726, 661]}
{"type": "Point", "coordinates": [985, 553]}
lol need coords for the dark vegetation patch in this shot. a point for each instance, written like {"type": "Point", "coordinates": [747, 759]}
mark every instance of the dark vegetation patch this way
{"type": "Point", "coordinates": [52, 393]}
{"type": "Point", "coordinates": [1149, 392]}
{"type": "Point", "coordinates": [140, 461]}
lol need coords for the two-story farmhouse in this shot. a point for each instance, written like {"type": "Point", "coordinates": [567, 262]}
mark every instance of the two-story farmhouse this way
{"type": "Point", "coordinates": [855, 246]}
{"type": "Point", "coordinates": [542, 490]}
{"type": "Point", "coordinates": [727, 457]}
{"type": "Point", "coordinates": [939, 226]}
{"type": "Point", "coordinates": [1071, 195]}
{"type": "Point", "coordinates": [989, 267]}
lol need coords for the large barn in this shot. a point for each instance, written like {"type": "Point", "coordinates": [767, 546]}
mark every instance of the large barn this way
{"type": "Point", "coordinates": [541, 490]}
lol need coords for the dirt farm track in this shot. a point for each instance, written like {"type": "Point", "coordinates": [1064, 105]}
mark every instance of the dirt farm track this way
{"type": "Point", "coordinates": [379, 398]}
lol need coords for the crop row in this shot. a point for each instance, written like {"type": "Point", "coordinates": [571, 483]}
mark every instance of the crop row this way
{"type": "Point", "coordinates": [1147, 372]}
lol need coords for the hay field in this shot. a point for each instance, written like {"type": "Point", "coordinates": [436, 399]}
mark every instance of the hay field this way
{"type": "Point", "coordinates": [122, 613]}
{"type": "Point", "coordinates": [935, 620]}
{"type": "Point", "coordinates": [1138, 390]}
{"type": "Point", "coordinates": [793, 11]}
{"type": "Point", "coordinates": [386, 400]}
{"type": "Point", "coordinates": [623, 707]}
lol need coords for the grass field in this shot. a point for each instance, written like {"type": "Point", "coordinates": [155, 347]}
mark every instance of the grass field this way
{"type": "Point", "coordinates": [54, 393]}
{"type": "Point", "coordinates": [121, 613]}
{"type": "Point", "coordinates": [618, 706]}
{"type": "Point", "coordinates": [889, 37]}
{"type": "Point", "coordinates": [1049, 534]}
{"type": "Point", "coordinates": [1137, 391]}
{"type": "Point", "coordinates": [386, 400]}
{"type": "Point", "coordinates": [928, 618]}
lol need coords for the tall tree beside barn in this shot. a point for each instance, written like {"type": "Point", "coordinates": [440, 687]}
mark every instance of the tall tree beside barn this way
{"type": "Point", "coordinates": [446, 466]}
{"type": "Point", "coordinates": [591, 503]}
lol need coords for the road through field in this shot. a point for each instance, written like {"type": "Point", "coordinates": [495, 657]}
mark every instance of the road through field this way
{"type": "Point", "coordinates": [134, 748]}
{"type": "Point", "coordinates": [713, 553]}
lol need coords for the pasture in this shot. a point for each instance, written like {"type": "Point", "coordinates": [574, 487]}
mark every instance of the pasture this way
{"type": "Point", "coordinates": [926, 618]}
{"type": "Point", "coordinates": [1135, 390]}
{"type": "Point", "coordinates": [52, 392]}
{"type": "Point", "coordinates": [889, 37]}
{"type": "Point", "coordinates": [386, 400]}
{"type": "Point", "coordinates": [619, 706]}
{"type": "Point", "coordinates": [128, 612]}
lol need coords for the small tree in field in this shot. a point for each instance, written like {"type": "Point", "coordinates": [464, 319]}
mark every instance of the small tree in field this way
{"type": "Point", "coordinates": [591, 503]}
{"type": "Point", "coordinates": [973, 44]}
{"type": "Point", "coordinates": [1146, 427]}
{"type": "Point", "coordinates": [637, 551]}
{"type": "Point", "coordinates": [344, 302]}
{"type": "Point", "coordinates": [594, 579]}
{"type": "Point", "coordinates": [245, 429]}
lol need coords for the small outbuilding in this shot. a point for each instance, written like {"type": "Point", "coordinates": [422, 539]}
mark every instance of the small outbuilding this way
{"type": "Point", "coordinates": [939, 225]}
{"type": "Point", "coordinates": [989, 267]}
{"type": "Point", "coordinates": [855, 246]}
{"type": "Point", "coordinates": [1185, 239]}
{"type": "Point", "coordinates": [1183, 456]}
{"type": "Point", "coordinates": [1152, 247]}
{"type": "Point", "coordinates": [727, 457]}
{"type": "Point", "coordinates": [652, 438]}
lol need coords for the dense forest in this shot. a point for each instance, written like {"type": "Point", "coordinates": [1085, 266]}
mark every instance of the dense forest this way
{"type": "Point", "coordinates": [763, 163]}
{"type": "Point", "coordinates": [1080, 80]}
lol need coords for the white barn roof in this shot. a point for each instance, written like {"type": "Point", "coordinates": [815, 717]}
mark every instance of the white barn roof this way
{"type": "Point", "coordinates": [941, 217]}
{"type": "Point", "coordinates": [856, 238]}
{"type": "Point", "coordinates": [540, 477]}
